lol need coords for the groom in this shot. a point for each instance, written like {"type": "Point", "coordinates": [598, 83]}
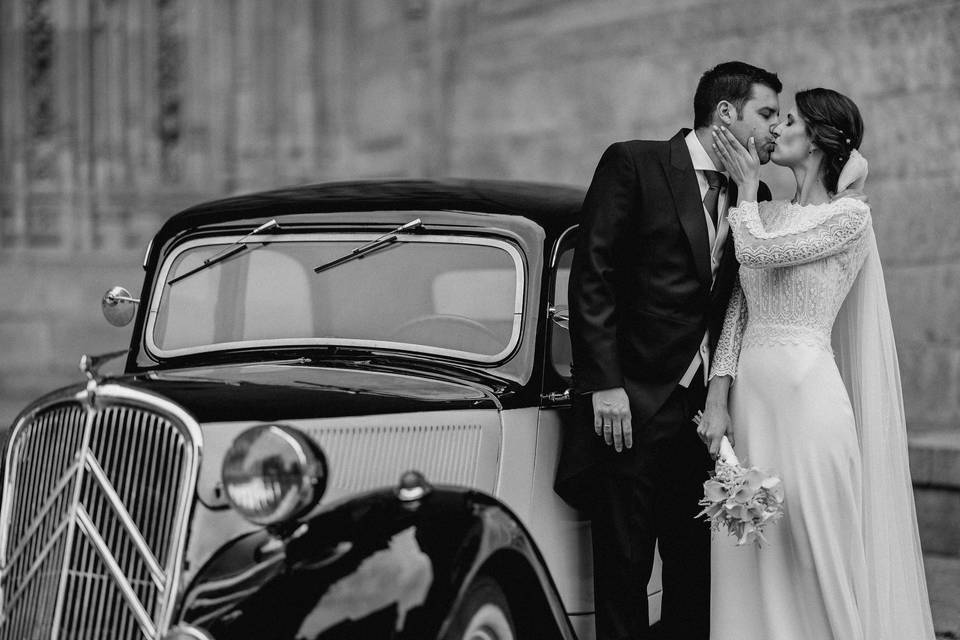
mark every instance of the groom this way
{"type": "Point", "coordinates": [651, 277]}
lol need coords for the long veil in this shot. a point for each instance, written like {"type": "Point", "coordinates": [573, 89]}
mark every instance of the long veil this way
{"type": "Point", "coordinates": [899, 606]}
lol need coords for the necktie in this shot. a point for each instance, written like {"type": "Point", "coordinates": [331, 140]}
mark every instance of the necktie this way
{"type": "Point", "coordinates": [716, 181]}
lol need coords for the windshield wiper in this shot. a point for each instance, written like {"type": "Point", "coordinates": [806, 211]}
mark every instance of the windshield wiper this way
{"type": "Point", "coordinates": [230, 250]}
{"type": "Point", "coordinates": [373, 245]}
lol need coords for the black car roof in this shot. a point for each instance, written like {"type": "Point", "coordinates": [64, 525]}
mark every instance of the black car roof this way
{"type": "Point", "coordinates": [546, 204]}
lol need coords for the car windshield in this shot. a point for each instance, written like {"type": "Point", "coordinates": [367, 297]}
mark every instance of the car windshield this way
{"type": "Point", "coordinates": [459, 296]}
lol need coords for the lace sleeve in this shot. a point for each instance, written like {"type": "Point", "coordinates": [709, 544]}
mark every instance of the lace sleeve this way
{"type": "Point", "coordinates": [727, 354]}
{"type": "Point", "coordinates": [804, 235]}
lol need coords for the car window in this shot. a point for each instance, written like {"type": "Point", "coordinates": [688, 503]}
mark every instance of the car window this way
{"type": "Point", "coordinates": [437, 294]}
{"type": "Point", "coordinates": [560, 352]}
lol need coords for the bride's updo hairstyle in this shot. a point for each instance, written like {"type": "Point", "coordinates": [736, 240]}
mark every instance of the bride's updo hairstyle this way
{"type": "Point", "coordinates": [835, 126]}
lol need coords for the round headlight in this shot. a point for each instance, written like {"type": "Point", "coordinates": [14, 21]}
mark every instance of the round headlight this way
{"type": "Point", "coordinates": [273, 473]}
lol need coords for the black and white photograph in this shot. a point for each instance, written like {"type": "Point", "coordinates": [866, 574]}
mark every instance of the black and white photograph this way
{"type": "Point", "coordinates": [479, 320]}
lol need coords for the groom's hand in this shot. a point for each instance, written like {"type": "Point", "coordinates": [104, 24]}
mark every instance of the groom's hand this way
{"type": "Point", "coordinates": [611, 417]}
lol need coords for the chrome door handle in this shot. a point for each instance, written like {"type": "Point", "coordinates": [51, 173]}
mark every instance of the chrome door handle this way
{"type": "Point", "coordinates": [562, 319]}
{"type": "Point", "coordinates": [556, 397]}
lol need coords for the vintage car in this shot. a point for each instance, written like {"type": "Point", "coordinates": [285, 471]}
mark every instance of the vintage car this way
{"type": "Point", "coordinates": [339, 417]}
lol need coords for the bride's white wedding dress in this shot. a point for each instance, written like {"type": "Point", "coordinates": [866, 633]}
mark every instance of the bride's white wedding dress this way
{"type": "Point", "coordinates": [844, 563]}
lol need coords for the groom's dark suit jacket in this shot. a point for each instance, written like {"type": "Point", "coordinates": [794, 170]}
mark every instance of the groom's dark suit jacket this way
{"type": "Point", "coordinates": [640, 290]}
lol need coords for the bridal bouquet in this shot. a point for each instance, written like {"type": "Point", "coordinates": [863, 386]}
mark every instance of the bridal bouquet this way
{"type": "Point", "coordinates": [743, 500]}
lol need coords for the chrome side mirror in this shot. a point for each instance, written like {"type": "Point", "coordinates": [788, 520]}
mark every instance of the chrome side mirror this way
{"type": "Point", "coordinates": [118, 307]}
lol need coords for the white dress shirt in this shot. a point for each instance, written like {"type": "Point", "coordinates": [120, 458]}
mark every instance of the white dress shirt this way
{"type": "Point", "coordinates": [717, 236]}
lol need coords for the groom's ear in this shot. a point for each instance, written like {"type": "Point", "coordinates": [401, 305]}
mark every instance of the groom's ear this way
{"type": "Point", "coordinates": [726, 112]}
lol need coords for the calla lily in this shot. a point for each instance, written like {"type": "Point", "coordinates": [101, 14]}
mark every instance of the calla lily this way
{"type": "Point", "coordinates": [744, 494]}
{"type": "Point", "coordinates": [775, 487]}
{"type": "Point", "coordinates": [741, 500]}
{"type": "Point", "coordinates": [756, 512]}
{"type": "Point", "coordinates": [755, 478]}
{"type": "Point", "coordinates": [714, 491]}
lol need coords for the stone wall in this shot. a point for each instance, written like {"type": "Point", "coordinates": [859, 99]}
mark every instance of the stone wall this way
{"type": "Point", "coordinates": [246, 94]}
{"type": "Point", "coordinates": [538, 89]}
{"type": "Point", "coordinates": [50, 316]}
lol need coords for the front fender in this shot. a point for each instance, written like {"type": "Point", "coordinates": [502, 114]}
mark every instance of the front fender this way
{"type": "Point", "coordinates": [375, 567]}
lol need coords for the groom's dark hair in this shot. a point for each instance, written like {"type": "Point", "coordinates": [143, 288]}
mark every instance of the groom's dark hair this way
{"type": "Point", "coordinates": [730, 81]}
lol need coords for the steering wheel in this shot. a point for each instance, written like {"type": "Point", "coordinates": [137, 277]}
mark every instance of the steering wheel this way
{"type": "Point", "coordinates": [434, 328]}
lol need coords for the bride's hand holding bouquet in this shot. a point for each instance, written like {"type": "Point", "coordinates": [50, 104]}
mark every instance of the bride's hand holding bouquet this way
{"type": "Point", "coordinates": [743, 500]}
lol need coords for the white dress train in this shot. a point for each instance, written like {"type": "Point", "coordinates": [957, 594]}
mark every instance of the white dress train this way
{"type": "Point", "coordinates": [835, 441]}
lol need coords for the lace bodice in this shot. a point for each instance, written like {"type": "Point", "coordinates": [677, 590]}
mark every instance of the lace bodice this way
{"type": "Point", "coordinates": [797, 264]}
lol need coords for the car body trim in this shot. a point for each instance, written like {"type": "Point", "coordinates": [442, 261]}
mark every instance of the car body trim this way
{"type": "Point", "coordinates": [555, 252]}
{"type": "Point", "coordinates": [156, 571]}
{"type": "Point", "coordinates": [93, 534]}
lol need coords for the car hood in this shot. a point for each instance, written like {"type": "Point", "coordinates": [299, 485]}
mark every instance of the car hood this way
{"type": "Point", "coordinates": [266, 392]}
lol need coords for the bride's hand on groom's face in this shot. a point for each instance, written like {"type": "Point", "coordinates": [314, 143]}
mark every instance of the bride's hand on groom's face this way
{"type": "Point", "coordinates": [742, 163]}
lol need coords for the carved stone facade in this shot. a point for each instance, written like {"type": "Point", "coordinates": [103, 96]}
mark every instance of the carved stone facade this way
{"type": "Point", "coordinates": [117, 113]}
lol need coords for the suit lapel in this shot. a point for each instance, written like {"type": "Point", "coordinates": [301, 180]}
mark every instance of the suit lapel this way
{"type": "Point", "coordinates": [689, 206]}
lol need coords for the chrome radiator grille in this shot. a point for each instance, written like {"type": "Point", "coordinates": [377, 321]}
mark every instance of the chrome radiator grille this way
{"type": "Point", "coordinates": [94, 513]}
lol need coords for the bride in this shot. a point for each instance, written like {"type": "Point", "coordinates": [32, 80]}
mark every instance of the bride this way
{"type": "Point", "coordinates": [844, 563]}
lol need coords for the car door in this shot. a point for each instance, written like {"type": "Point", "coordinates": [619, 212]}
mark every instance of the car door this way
{"type": "Point", "coordinates": [563, 533]}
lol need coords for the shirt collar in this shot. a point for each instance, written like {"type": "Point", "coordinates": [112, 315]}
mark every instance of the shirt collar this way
{"type": "Point", "coordinates": [701, 161]}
